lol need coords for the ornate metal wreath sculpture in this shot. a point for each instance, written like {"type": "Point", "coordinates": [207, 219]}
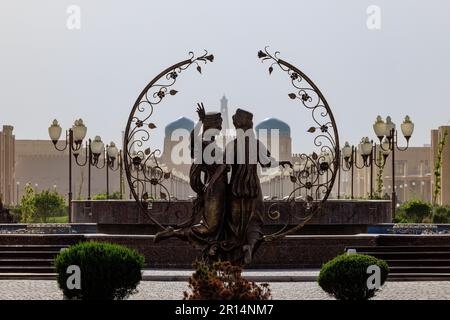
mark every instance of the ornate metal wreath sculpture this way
{"type": "Point", "coordinates": [314, 180]}
{"type": "Point", "coordinates": [143, 171]}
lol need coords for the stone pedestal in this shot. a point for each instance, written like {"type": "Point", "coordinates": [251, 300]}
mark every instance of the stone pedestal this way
{"type": "Point", "coordinates": [336, 217]}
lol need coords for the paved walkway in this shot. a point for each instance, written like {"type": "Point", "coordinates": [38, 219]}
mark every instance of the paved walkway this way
{"type": "Point", "coordinates": [263, 275]}
{"type": "Point", "coordinates": [148, 290]}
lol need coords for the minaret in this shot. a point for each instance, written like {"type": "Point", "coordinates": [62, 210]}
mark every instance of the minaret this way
{"type": "Point", "coordinates": [224, 112]}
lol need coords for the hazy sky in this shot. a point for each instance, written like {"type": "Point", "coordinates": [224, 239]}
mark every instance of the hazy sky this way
{"type": "Point", "coordinates": [48, 71]}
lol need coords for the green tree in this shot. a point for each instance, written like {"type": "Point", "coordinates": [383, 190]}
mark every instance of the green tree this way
{"type": "Point", "coordinates": [437, 168]}
{"type": "Point", "coordinates": [27, 208]}
{"type": "Point", "coordinates": [37, 207]}
{"type": "Point", "coordinates": [413, 211]}
{"type": "Point", "coordinates": [380, 171]}
{"type": "Point", "coordinates": [48, 203]}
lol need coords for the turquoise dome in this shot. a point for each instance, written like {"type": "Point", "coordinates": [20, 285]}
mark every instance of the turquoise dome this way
{"type": "Point", "coordinates": [274, 123]}
{"type": "Point", "coordinates": [180, 123]}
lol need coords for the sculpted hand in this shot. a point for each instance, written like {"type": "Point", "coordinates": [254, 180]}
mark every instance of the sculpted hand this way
{"type": "Point", "coordinates": [201, 111]}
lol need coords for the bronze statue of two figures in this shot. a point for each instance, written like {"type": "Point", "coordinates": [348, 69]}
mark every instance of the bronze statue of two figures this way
{"type": "Point", "coordinates": [227, 217]}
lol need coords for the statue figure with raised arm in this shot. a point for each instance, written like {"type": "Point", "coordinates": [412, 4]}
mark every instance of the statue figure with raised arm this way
{"type": "Point", "coordinates": [208, 179]}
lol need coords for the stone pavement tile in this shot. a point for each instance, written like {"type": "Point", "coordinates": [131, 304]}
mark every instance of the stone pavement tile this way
{"type": "Point", "coordinates": [263, 275]}
{"type": "Point", "coordinates": [150, 290]}
{"type": "Point", "coordinates": [419, 290]}
{"type": "Point", "coordinates": [29, 290]}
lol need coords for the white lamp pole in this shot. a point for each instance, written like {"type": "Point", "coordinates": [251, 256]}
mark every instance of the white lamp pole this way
{"type": "Point", "coordinates": [73, 141]}
{"type": "Point", "coordinates": [387, 130]}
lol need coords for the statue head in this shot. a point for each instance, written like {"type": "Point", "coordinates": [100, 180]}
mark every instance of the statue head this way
{"type": "Point", "coordinates": [212, 120]}
{"type": "Point", "coordinates": [243, 119]}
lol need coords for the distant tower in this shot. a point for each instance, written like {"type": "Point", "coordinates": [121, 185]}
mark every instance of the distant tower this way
{"type": "Point", "coordinates": [224, 111]}
{"type": "Point", "coordinates": [7, 165]}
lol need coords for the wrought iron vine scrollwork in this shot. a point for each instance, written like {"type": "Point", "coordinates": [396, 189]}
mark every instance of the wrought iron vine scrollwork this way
{"type": "Point", "coordinates": [143, 170]}
{"type": "Point", "coordinates": [314, 177]}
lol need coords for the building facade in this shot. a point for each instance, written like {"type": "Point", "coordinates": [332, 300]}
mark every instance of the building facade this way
{"type": "Point", "coordinates": [7, 169]}
{"type": "Point", "coordinates": [412, 174]}
{"type": "Point", "coordinates": [38, 163]}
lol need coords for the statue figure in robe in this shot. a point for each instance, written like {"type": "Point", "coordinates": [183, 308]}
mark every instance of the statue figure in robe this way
{"type": "Point", "coordinates": [243, 224]}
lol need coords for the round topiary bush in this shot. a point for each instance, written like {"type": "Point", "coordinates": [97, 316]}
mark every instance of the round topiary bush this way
{"type": "Point", "coordinates": [413, 211]}
{"type": "Point", "coordinates": [345, 277]}
{"type": "Point", "coordinates": [107, 271]}
{"type": "Point", "coordinates": [440, 215]}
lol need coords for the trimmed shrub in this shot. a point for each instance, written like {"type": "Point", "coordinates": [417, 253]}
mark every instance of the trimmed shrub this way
{"type": "Point", "coordinates": [414, 211]}
{"type": "Point", "coordinates": [223, 281]}
{"type": "Point", "coordinates": [345, 277]}
{"type": "Point", "coordinates": [48, 204]}
{"type": "Point", "coordinates": [440, 215]}
{"type": "Point", "coordinates": [108, 271]}
{"type": "Point", "coordinates": [112, 196]}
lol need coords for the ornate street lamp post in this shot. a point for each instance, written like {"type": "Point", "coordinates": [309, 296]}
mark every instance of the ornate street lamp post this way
{"type": "Point", "coordinates": [112, 153]}
{"type": "Point", "coordinates": [348, 154]}
{"type": "Point", "coordinates": [375, 160]}
{"type": "Point", "coordinates": [369, 157]}
{"type": "Point", "coordinates": [73, 142]}
{"type": "Point", "coordinates": [94, 149]}
{"type": "Point", "coordinates": [387, 130]}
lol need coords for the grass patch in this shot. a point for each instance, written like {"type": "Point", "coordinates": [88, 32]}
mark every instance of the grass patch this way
{"type": "Point", "coordinates": [58, 219]}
